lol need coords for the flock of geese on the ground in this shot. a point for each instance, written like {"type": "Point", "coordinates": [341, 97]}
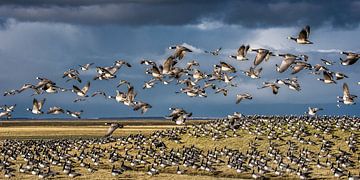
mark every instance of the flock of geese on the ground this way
{"type": "Point", "coordinates": [272, 146]}
{"type": "Point", "coordinates": [220, 79]}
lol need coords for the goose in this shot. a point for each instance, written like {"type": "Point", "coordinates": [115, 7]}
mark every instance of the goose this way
{"type": "Point", "coordinates": [25, 87]}
{"type": "Point", "coordinates": [222, 90]}
{"type": "Point", "coordinates": [288, 60]}
{"type": "Point", "coordinates": [178, 171]}
{"type": "Point", "coordinates": [96, 93]}
{"type": "Point", "coordinates": [327, 62]}
{"type": "Point", "coordinates": [156, 72]}
{"type": "Point", "coordinates": [261, 55]}
{"type": "Point", "coordinates": [253, 73]}
{"type": "Point", "coordinates": [75, 114]}
{"type": "Point", "coordinates": [149, 84]}
{"type": "Point", "coordinates": [273, 86]}
{"type": "Point", "coordinates": [227, 79]}
{"type": "Point", "coordinates": [180, 51]}
{"type": "Point", "coordinates": [6, 114]}
{"type": "Point", "coordinates": [299, 65]}
{"type": "Point", "coordinates": [227, 67]}
{"type": "Point", "coordinates": [8, 108]}
{"type": "Point", "coordinates": [215, 52]}
{"type": "Point", "coordinates": [303, 37]}
{"type": "Point", "coordinates": [179, 115]}
{"type": "Point", "coordinates": [37, 105]}
{"type": "Point", "coordinates": [72, 74]}
{"type": "Point", "coordinates": [241, 53]}
{"type": "Point", "coordinates": [79, 100]}
{"type": "Point", "coordinates": [339, 75]}
{"type": "Point", "coordinates": [351, 58]}
{"type": "Point", "coordinates": [112, 128]}
{"type": "Point", "coordinates": [85, 67]}
{"type": "Point", "coordinates": [319, 67]}
{"type": "Point", "coordinates": [115, 172]}
{"type": "Point", "coordinates": [313, 110]}
{"type": "Point", "coordinates": [105, 74]}
{"type": "Point", "coordinates": [142, 105]}
{"type": "Point", "coordinates": [190, 64]}
{"type": "Point", "coordinates": [347, 98]}
{"type": "Point", "coordinates": [147, 62]}
{"type": "Point", "coordinates": [120, 97]}
{"type": "Point", "coordinates": [81, 92]}
{"type": "Point", "coordinates": [328, 78]}
{"type": "Point", "coordinates": [117, 65]}
{"type": "Point", "coordinates": [240, 97]}
{"type": "Point", "coordinates": [121, 82]}
{"type": "Point", "coordinates": [10, 92]}
{"type": "Point", "coordinates": [168, 65]}
{"type": "Point", "coordinates": [55, 110]}
{"type": "Point", "coordinates": [130, 96]}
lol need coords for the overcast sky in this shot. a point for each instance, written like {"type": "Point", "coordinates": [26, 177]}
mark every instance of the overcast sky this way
{"type": "Point", "coordinates": [45, 38]}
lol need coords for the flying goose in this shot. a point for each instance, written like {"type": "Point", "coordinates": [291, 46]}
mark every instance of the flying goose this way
{"type": "Point", "coordinates": [6, 114]}
{"type": "Point", "coordinates": [327, 62]}
{"type": "Point", "coordinates": [180, 51]}
{"type": "Point", "coordinates": [85, 67]}
{"type": "Point", "coordinates": [72, 74]}
{"type": "Point", "coordinates": [240, 97]}
{"type": "Point", "coordinates": [147, 62]}
{"type": "Point", "coordinates": [303, 37]}
{"type": "Point", "coordinates": [288, 60]}
{"type": "Point", "coordinates": [10, 92]}
{"type": "Point", "coordinates": [142, 105]}
{"type": "Point", "coordinates": [347, 98]}
{"type": "Point", "coordinates": [120, 97]}
{"type": "Point", "coordinates": [8, 108]}
{"type": "Point", "coordinates": [149, 84]}
{"type": "Point", "coordinates": [253, 73]}
{"type": "Point", "coordinates": [121, 82]}
{"type": "Point", "coordinates": [96, 93]}
{"type": "Point", "coordinates": [222, 90]}
{"type": "Point", "coordinates": [227, 67]}
{"type": "Point", "coordinates": [81, 92]}
{"type": "Point", "coordinates": [273, 86]}
{"type": "Point", "coordinates": [37, 105]}
{"type": "Point", "coordinates": [75, 114]}
{"type": "Point", "coordinates": [313, 110]}
{"type": "Point", "coordinates": [179, 115]}
{"type": "Point", "coordinates": [168, 65]}
{"type": "Point", "coordinates": [241, 53]}
{"type": "Point", "coordinates": [55, 110]}
{"type": "Point", "coordinates": [261, 55]}
{"type": "Point", "coordinates": [328, 78]}
{"type": "Point", "coordinates": [130, 96]}
{"type": "Point", "coordinates": [215, 52]}
{"type": "Point", "coordinates": [25, 87]}
{"type": "Point", "coordinates": [300, 65]}
{"type": "Point", "coordinates": [190, 64]}
{"type": "Point", "coordinates": [351, 58]}
{"type": "Point", "coordinates": [227, 79]}
{"type": "Point", "coordinates": [112, 128]}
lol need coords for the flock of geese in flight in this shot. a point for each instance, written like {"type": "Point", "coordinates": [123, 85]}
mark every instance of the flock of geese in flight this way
{"type": "Point", "coordinates": [193, 82]}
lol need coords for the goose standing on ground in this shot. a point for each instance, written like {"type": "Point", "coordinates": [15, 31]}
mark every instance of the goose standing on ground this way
{"type": "Point", "coordinates": [81, 92]}
{"type": "Point", "coordinates": [37, 105]}
{"type": "Point", "coordinates": [303, 37]}
{"type": "Point", "coordinates": [241, 53]}
{"type": "Point", "coordinates": [216, 52]}
{"type": "Point", "coordinates": [180, 51]}
{"type": "Point", "coordinates": [351, 58]}
{"type": "Point", "coordinates": [347, 98]}
{"type": "Point", "coordinates": [112, 128]}
{"type": "Point", "coordinates": [313, 110]}
{"type": "Point", "coordinates": [240, 97]}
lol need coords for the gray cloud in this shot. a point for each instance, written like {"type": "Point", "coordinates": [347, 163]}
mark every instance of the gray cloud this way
{"type": "Point", "coordinates": [343, 14]}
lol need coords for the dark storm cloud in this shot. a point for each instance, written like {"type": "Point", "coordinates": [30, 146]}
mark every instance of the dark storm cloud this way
{"type": "Point", "coordinates": [159, 12]}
